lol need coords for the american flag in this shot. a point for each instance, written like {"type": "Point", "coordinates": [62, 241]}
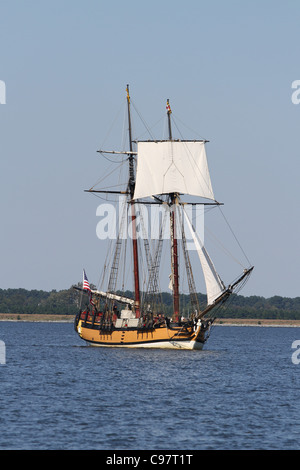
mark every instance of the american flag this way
{"type": "Point", "coordinates": [86, 286]}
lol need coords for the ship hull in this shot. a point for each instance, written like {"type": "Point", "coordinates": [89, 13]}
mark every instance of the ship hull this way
{"type": "Point", "coordinates": [190, 345]}
{"type": "Point", "coordinates": [157, 338]}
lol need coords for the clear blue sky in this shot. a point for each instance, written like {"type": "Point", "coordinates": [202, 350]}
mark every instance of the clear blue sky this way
{"type": "Point", "coordinates": [227, 67]}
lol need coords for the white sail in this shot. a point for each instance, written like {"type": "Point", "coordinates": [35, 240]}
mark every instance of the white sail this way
{"type": "Point", "coordinates": [172, 167]}
{"type": "Point", "coordinates": [213, 282]}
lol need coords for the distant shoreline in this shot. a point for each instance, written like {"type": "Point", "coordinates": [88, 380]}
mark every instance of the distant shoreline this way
{"type": "Point", "coordinates": [255, 322]}
{"type": "Point", "coordinates": [33, 317]}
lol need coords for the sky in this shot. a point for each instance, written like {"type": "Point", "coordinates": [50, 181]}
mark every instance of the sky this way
{"type": "Point", "coordinates": [227, 68]}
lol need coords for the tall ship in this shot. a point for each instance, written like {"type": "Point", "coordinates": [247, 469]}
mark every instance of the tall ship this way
{"type": "Point", "coordinates": [161, 175]}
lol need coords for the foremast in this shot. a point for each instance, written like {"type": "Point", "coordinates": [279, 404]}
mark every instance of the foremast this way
{"type": "Point", "coordinates": [174, 243]}
{"type": "Point", "coordinates": [131, 186]}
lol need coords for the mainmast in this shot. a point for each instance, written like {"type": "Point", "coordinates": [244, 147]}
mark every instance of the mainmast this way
{"type": "Point", "coordinates": [174, 245]}
{"type": "Point", "coordinates": [133, 216]}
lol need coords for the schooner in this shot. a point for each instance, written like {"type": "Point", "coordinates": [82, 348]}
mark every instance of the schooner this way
{"type": "Point", "coordinates": [160, 172]}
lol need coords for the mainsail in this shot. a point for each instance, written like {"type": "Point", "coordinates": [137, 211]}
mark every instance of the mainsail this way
{"type": "Point", "coordinates": [166, 167]}
{"type": "Point", "coordinates": [214, 285]}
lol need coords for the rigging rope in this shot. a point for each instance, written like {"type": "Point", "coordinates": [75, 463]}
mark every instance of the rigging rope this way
{"type": "Point", "coordinates": [234, 236]}
{"type": "Point", "coordinates": [113, 123]}
{"type": "Point", "coordinates": [108, 174]}
{"type": "Point", "coordinates": [141, 118]}
{"type": "Point", "coordinates": [225, 250]}
{"type": "Point", "coordinates": [192, 130]}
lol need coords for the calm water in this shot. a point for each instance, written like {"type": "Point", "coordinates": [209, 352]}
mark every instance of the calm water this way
{"type": "Point", "coordinates": [242, 392]}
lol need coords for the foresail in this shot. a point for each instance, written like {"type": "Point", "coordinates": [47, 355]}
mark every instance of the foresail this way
{"type": "Point", "coordinates": [214, 285]}
{"type": "Point", "coordinates": [172, 167]}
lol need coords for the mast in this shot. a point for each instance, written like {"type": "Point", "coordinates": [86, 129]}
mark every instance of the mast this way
{"type": "Point", "coordinates": [169, 112]}
{"type": "Point", "coordinates": [133, 215]}
{"type": "Point", "coordinates": [174, 245]}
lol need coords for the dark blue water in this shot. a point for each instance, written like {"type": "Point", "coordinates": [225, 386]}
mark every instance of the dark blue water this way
{"type": "Point", "coordinates": [242, 392]}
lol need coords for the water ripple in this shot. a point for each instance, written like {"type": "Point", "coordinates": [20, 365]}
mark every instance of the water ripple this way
{"type": "Point", "coordinates": [57, 393]}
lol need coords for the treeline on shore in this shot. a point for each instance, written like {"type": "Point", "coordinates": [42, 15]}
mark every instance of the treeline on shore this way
{"type": "Point", "coordinates": [66, 302]}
